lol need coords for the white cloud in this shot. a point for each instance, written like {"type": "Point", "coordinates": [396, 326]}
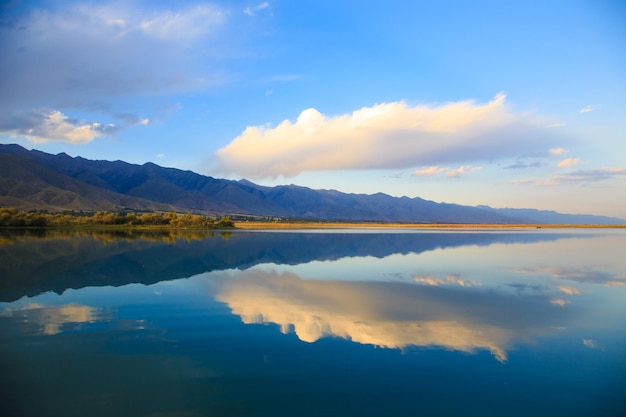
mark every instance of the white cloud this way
{"type": "Point", "coordinates": [428, 172]}
{"type": "Point", "coordinates": [450, 279]}
{"type": "Point", "coordinates": [55, 126]}
{"type": "Point", "coordinates": [568, 162]}
{"type": "Point", "coordinates": [449, 172]}
{"type": "Point", "coordinates": [464, 169]}
{"type": "Point", "coordinates": [588, 108]}
{"type": "Point", "coordinates": [557, 151]}
{"type": "Point", "coordinates": [559, 302]}
{"type": "Point", "coordinates": [569, 290]}
{"type": "Point", "coordinates": [385, 136]}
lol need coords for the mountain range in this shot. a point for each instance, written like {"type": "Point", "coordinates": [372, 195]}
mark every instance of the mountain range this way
{"type": "Point", "coordinates": [35, 180]}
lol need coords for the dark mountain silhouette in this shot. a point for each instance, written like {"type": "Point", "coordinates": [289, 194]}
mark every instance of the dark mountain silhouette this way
{"type": "Point", "coordinates": [38, 180]}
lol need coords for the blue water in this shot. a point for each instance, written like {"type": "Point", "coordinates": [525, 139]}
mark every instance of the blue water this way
{"type": "Point", "coordinates": [363, 323]}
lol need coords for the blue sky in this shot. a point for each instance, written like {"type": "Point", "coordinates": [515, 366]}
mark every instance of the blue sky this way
{"type": "Point", "coordinates": [509, 104]}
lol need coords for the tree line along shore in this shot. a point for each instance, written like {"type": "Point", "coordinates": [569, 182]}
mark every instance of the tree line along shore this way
{"type": "Point", "coordinates": [13, 218]}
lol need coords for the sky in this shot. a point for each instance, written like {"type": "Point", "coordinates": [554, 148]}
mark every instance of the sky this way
{"type": "Point", "coordinates": [509, 104]}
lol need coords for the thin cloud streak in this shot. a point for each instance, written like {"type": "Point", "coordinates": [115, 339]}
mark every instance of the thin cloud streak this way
{"type": "Point", "coordinates": [589, 108]}
{"type": "Point", "coordinates": [252, 11]}
{"type": "Point", "coordinates": [568, 162]}
{"type": "Point", "coordinates": [449, 172]}
{"type": "Point", "coordinates": [583, 177]}
{"type": "Point", "coordinates": [449, 280]}
{"type": "Point", "coordinates": [386, 136]}
{"type": "Point", "coordinates": [521, 165]}
{"type": "Point", "coordinates": [586, 275]}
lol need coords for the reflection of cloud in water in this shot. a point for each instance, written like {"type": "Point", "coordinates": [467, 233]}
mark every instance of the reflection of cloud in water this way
{"type": "Point", "coordinates": [569, 290]}
{"type": "Point", "coordinates": [450, 279]}
{"type": "Point", "coordinates": [578, 274]}
{"type": "Point", "coordinates": [52, 318]}
{"type": "Point", "coordinates": [392, 315]}
{"type": "Point", "coordinates": [590, 343]}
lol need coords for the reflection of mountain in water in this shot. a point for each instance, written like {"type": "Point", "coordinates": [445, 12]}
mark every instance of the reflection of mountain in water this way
{"type": "Point", "coordinates": [30, 266]}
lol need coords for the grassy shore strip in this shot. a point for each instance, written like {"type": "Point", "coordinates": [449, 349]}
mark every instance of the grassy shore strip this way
{"type": "Point", "coordinates": [322, 225]}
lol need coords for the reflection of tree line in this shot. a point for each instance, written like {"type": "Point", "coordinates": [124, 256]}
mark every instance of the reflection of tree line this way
{"type": "Point", "coordinates": [11, 236]}
{"type": "Point", "coordinates": [11, 217]}
{"type": "Point", "coordinates": [38, 261]}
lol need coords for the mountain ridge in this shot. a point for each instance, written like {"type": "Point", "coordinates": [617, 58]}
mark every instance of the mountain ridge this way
{"type": "Point", "coordinates": [32, 179]}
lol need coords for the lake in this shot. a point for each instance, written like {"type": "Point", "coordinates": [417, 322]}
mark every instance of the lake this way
{"type": "Point", "coordinates": [342, 322]}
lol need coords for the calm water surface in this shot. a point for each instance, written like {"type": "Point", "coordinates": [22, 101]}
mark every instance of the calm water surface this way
{"type": "Point", "coordinates": [325, 323]}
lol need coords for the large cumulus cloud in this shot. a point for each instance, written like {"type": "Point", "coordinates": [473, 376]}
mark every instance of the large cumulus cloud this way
{"type": "Point", "coordinates": [389, 135]}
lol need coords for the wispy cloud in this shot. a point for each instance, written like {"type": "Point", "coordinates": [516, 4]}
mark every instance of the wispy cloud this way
{"type": "Point", "coordinates": [522, 165]}
{"type": "Point", "coordinates": [539, 160]}
{"type": "Point", "coordinates": [252, 11]}
{"type": "Point", "coordinates": [559, 302]}
{"type": "Point", "coordinates": [191, 23]}
{"type": "Point", "coordinates": [386, 136]}
{"type": "Point", "coordinates": [589, 108]}
{"type": "Point", "coordinates": [449, 280]}
{"type": "Point", "coordinates": [569, 290]}
{"type": "Point", "coordinates": [585, 275]}
{"type": "Point", "coordinates": [590, 343]}
{"type": "Point", "coordinates": [81, 57]}
{"type": "Point", "coordinates": [583, 177]}
{"type": "Point", "coordinates": [105, 49]}
{"type": "Point", "coordinates": [591, 175]}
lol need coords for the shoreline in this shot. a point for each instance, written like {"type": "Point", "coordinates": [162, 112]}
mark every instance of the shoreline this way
{"type": "Point", "coordinates": [255, 225]}
{"type": "Point", "coordinates": [361, 225]}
